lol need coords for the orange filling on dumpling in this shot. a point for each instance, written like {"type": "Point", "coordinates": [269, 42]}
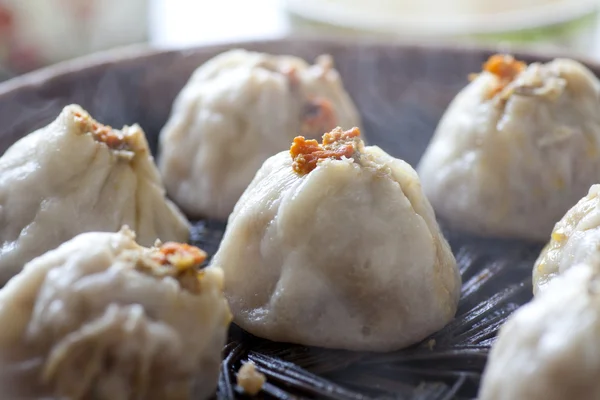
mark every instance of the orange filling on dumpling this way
{"type": "Point", "coordinates": [182, 256]}
{"type": "Point", "coordinates": [505, 68]}
{"type": "Point", "coordinates": [180, 261]}
{"type": "Point", "coordinates": [336, 145]}
{"type": "Point", "coordinates": [114, 139]}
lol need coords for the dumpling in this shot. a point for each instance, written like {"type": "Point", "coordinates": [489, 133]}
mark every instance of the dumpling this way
{"type": "Point", "coordinates": [237, 110]}
{"type": "Point", "coordinates": [516, 148]}
{"type": "Point", "coordinates": [549, 348]}
{"type": "Point", "coordinates": [76, 175]}
{"type": "Point", "coordinates": [102, 317]}
{"type": "Point", "coordinates": [335, 245]}
{"type": "Point", "coordinates": [575, 239]}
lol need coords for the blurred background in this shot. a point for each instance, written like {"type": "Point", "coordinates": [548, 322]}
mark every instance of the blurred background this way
{"type": "Point", "coordinates": [35, 33]}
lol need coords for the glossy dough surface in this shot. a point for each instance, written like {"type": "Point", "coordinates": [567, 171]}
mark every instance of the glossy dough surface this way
{"type": "Point", "coordinates": [99, 317]}
{"type": "Point", "coordinates": [512, 164]}
{"type": "Point", "coordinates": [348, 255]}
{"type": "Point", "coordinates": [75, 176]}
{"type": "Point", "coordinates": [549, 348]}
{"type": "Point", "coordinates": [237, 110]}
{"type": "Point", "coordinates": [575, 239]}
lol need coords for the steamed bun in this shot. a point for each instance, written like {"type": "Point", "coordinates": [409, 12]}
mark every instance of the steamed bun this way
{"type": "Point", "coordinates": [549, 348]}
{"type": "Point", "coordinates": [76, 175]}
{"type": "Point", "coordinates": [237, 110]}
{"type": "Point", "coordinates": [336, 246]}
{"type": "Point", "coordinates": [575, 239]}
{"type": "Point", "coordinates": [102, 317]}
{"type": "Point", "coordinates": [516, 148]}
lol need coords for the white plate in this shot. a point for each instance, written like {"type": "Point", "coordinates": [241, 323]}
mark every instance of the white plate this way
{"type": "Point", "coordinates": [443, 17]}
